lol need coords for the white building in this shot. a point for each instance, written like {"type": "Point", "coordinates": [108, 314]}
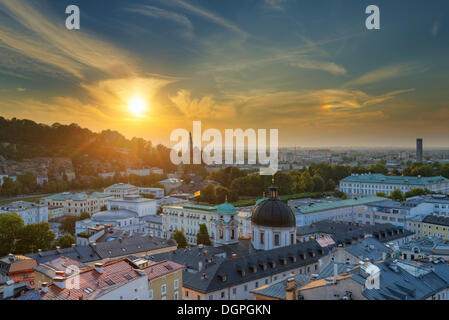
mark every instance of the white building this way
{"type": "Point", "coordinates": [120, 190]}
{"type": "Point", "coordinates": [341, 210]}
{"type": "Point", "coordinates": [76, 203]}
{"type": "Point", "coordinates": [369, 184]}
{"type": "Point", "coordinates": [392, 212]}
{"type": "Point", "coordinates": [158, 193]}
{"type": "Point", "coordinates": [221, 222]}
{"type": "Point", "coordinates": [30, 212]}
{"type": "Point", "coordinates": [125, 214]}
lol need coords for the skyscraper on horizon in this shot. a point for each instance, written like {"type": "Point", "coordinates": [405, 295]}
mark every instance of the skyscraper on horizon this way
{"type": "Point", "coordinates": [419, 150]}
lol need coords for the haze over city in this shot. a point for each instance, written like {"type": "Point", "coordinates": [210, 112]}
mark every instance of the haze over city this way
{"type": "Point", "coordinates": [311, 70]}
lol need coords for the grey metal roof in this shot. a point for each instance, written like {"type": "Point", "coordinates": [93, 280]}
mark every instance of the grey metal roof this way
{"type": "Point", "coordinates": [113, 215]}
{"type": "Point", "coordinates": [79, 253]}
{"type": "Point", "coordinates": [343, 232]}
{"type": "Point", "coordinates": [241, 269]}
{"type": "Point", "coordinates": [130, 245]}
{"type": "Point", "coordinates": [277, 289]}
{"type": "Point", "coordinates": [328, 271]}
{"type": "Point", "coordinates": [401, 285]}
{"type": "Point", "coordinates": [369, 248]}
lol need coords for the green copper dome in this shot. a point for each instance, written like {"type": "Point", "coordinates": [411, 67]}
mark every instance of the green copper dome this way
{"type": "Point", "coordinates": [226, 208]}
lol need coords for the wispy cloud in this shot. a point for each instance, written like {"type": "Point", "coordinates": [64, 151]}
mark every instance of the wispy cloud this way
{"type": "Point", "coordinates": [435, 28]}
{"type": "Point", "coordinates": [41, 39]}
{"type": "Point", "coordinates": [384, 73]}
{"type": "Point", "coordinates": [274, 4]}
{"type": "Point", "coordinates": [208, 15]}
{"type": "Point", "coordinates": [201, 108]}
{"type": "Point", "coordinates": [159, 13]}
{"type": "Point", "coordinates": [330, 67]}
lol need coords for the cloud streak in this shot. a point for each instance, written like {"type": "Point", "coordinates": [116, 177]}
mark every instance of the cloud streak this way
{"type": "Point", "coordinates": [44, 41]}
{"type": "Point", "coordinates": [382, 74]}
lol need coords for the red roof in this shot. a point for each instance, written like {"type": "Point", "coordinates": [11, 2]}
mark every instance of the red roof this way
{"type": "Point", "coordinates": [93, 284]}
{"type": "Point", "coordinates": [159, 269]}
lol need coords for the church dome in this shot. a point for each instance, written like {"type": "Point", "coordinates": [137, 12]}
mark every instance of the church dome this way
{"type": "Point", "coordinates": [273, 213]}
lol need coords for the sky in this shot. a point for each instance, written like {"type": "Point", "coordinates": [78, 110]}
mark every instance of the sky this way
{"type": "Point", "coordinates": [310, 69]}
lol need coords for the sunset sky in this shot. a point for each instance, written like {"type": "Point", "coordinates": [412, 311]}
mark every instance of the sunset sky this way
{"type": "Point", "coordinates": [307, 68]}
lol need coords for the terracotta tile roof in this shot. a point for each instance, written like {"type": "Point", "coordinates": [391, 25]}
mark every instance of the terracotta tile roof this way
{"type": "Point", "coordinates": [22, 265]}
{"type": "Point", "coordinates": [159, 269]}
{"type": "Point", "coordinates": [92, 284]}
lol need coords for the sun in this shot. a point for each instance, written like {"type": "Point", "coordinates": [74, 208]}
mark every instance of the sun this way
{"type": "Point", "coordinates": [137, 106]}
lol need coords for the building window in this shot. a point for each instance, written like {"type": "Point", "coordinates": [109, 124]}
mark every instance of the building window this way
{"type": "Point", "coordinates": [150, 294]}
{"type": "Point", "coordinates": [176, 296]}
{"type": "Point", "coordinates": [222, 294]}
{"type": "Point", "coordinates": [292, 238]}
{"type": "Point", "coordinates": [276, 239]}
{"type": "Point", "coordinates": [262, 238]}
{"type": "Point", "coordinates": [163, 289]}
{"type": "Point", "coordinates": [176, 284]}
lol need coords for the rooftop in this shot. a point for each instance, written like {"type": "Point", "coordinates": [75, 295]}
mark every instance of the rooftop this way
{"type": "Point", "coordinates": [380, 178]}
{"type": "Point", "coordinates": [325, 206]}
{"type": "Point", "coordinates": [93, 284]}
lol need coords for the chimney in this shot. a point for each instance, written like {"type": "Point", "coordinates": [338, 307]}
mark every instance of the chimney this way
{"type": "Point", "coordinates": [44, 287]}
{"type": "Point", "coordinates": [384, 256]}
{"type": "Point", "coordinates": [60, 273]}
{"type": "Point", "coordinates": [58, 249]}
{"type": "Point", "coordinates": [40, 252]}
{"type": "Point", "coordinates": [203, 276]}
{"type": "Point", "coordinates": [11, 257]}
{"type": "Point", "coordinates": [200, 266]}
{"type": "Point", "coordinates": [99, 268]}
{"type": "Point", "coordinates": [73, 245]}
{"type": "Point", "coordinates": [335, 273]}
{"type": "Point", "coordinates": [290, 293]}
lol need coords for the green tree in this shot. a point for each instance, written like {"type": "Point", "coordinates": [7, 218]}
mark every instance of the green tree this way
{"type": "Point", "coordinates": [378, 168]}
{"type": "Point", "coordinates": [417, 192]}
{"type": "Point", "coordinates": [221, 194]}
{"type": "Point", "coordinates": [68, 224]}
{"type": "Point", "coordinates": [11, 226]}
{"type": "Point", "coordinates": [180, 239]}
{"type": "Point", "coordinates": [34, 237]}
{"type": "Point", "coordinates": [65, 241]}
{"type": "Point", "coordinates": [305, 183]}
{"type": "Point", "coordinates": [444, 170]}
{"type": "Point", "coordinates": [84, 215]}
{"type": "Point", "coordinates": [381, 194]}
{"type": "Point", "coordinates": [330, 185]}
{"type": "Point", "coordinates": [202, 236]}
{"type": "Point", "coordinates": [208, 194]}
{"type": "Point", "coordinates": [284, 182]}
{"type": "Point", "coordinates": [397, 195]}
{"type": "Point", "coordinates": [318, 183]}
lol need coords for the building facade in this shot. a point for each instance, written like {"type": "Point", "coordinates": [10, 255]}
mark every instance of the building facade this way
{"type": "Point", "coordinates": [30, 212]}
{"type": "Point", "coordinates": [76, 203]}
{"type": "Point", "coordinates": [362, 185]}
{"type": "Point", "coordinates": [221, 222]}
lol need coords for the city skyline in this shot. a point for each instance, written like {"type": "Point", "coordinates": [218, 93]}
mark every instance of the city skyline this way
{"type": "Point", "coordinates": [312, 71]}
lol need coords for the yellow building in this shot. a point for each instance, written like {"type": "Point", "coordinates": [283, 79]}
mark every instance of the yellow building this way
{"type": "Point", "coordinates": [435, 226]}
{"type": "Point", "coordinates": [164, 278]}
